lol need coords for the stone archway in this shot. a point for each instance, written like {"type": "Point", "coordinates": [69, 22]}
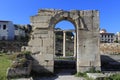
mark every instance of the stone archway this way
{"type": "Point", "coordinates": [87, 30]}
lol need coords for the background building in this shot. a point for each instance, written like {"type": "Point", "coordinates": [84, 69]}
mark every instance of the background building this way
{"type": "Point", "coordinates": [13, 36]}
{"type": "Point", "coordinates": [10, 31]}
{"type": "Point", "coordinates": [22, 32]}
{"type": "Point", "coordinates": [19, 32]}
{"type": "Point", "coordinates": [6, 30]}
{"type": "Point", "coordinates": [106, 37]}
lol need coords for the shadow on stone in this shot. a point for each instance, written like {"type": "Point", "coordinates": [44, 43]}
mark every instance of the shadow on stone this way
{"type": "Point", "coordinates": [65, 66]}
{"type": "Point", "coordinates": [38, 71]}
{"type": "Point", "coordinates": [110, 63]}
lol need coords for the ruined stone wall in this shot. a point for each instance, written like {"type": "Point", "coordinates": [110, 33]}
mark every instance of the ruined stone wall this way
{"type": "Point", "coordinates": [42, 40]}
{"type": "Point", "coordinates": [88, 41]}
{"type": "Point", "coordinates": [110, 48]}
{"type": "Point", "coordinates": [110, 56]}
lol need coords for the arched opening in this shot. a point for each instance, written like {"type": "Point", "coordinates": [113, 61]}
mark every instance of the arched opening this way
{"type": "Point", "coordinates": [65, 25]}
{"type": "Point", "coordinates": [65, 46]}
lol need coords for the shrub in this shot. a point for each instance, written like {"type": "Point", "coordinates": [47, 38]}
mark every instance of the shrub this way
{"type": "Point", "coordinates": [26, 52]}
{"type": "Point", "coordinates": [2, 77]}
{"type": "Point", "coordinates": [92, 70]}
{"type": "Point", "coordinates": [79, 74]}
{"type": "Point", "coordinates": [19, 63]}
{"type": "Point", "coordinates": [115, 77]}
{"type": "Point", "coordinates": [13, 56]}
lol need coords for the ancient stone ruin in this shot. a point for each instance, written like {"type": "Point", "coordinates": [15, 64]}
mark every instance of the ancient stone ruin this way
{"type": "Point", "coordinates": [42, 41]}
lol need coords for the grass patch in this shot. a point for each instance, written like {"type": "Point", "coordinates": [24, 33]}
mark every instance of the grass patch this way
{"type": "Point", "coordinates": [114, 77]}
{"type": "Point", "coordinates": [91, 70]}
{"type": "Point", "coordinates": [79, 74]}
{"type": "Point", "coordinates": [5, 62]}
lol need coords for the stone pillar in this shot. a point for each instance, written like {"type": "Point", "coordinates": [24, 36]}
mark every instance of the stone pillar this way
{"type": "Point", "coordinates": [74, 45]}
{"type": "Point", "coordinates": [64, 43]}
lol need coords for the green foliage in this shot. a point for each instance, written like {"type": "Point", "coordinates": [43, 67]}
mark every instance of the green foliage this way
{"type": "Point", "coordinates": [12, 57]}
{"type": "Point", "coordinates": [92, 70]}
{"type": "Point", "coordinates": [20, 59]}
{"type": "Point", "coordinates": [4, 64]}
{"type": "Point", "coordinates": [69, 54]}
{"type": "Point", "coordinates": [19, 63]}
{"type": "Point", "coordinates": [115, 77]}
{"type": "Point", "coordinates": [87, 78]}
{"type": "Point", "coordinates": [2, 77]}
{"type": "Point", "coordinates": [24, 39]}
{"type": "Point", "coordinates": [116, 41]}
{"type": "Point", "coordinates": [79, 74]}
{"type": "Point", "coordinates": [26, 52]}
{"type": "Point", "coordinates": [59, 35]}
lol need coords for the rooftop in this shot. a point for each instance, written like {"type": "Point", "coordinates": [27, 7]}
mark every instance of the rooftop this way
{"type": "Point", "coordinates": [4, 21]}
{"type": "Point", "coordinates": [107, 33]}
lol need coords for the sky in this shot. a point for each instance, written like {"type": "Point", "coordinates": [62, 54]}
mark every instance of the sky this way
{"type": "Point", "coordinates": [19, 11]}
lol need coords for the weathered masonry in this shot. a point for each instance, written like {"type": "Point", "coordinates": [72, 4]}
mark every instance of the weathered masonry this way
{"type": "Point", "coordinates": [42, 41]}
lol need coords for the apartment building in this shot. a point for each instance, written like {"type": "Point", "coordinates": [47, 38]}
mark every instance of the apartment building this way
{"type": "Point", "coordinates": [6, 30]}
{"type": "Point", "coordinates": [106, 37]}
